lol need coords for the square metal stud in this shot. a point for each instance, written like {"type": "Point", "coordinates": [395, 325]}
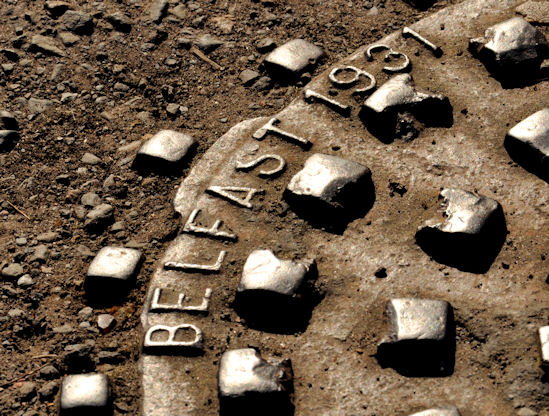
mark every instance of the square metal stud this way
{"type": "Point", "coordinates": [293, 58]}
{"type": "Point", "coordinates": [111, 271]}
{"type": "Point", "coordinates": [511, 50]}
{"type": "Point", "coordinates": [85, 395]}
{"type": "Point", "coordinates": [272, 292]}
{"type": "Point", "coordinates": [165, 152]}
{"type": "Point", "coordinates": [331, 190]}
{"type": "Point", "coordinates": [398, 109]}
{"type": "Point", "coordinates": [469, 236]}
{"type": "Point", "coordinates": [528, 143]}
{"type": "Point", "coordinates": [248, 384]}
{"type": "Point", "coordinates": [263, 271]}
{"type": "Point", "coordinates": [420, 338]}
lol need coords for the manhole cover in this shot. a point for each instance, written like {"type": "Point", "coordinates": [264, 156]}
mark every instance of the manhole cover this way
{"type": "Point", "coordinates": [299, 286]}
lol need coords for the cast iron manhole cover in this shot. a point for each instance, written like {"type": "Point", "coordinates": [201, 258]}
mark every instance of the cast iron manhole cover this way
{"type": "Point", "coordinates": [301, 284]}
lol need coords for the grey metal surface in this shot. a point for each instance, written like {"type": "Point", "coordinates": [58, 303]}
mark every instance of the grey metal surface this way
{"type": "Point", "coordinates": [293, 58]}
{"type": "Point", "coordinates": [111, 271]}
{"type": "Point", "coordinates": [495, 367]}
{"type": "Point", "coordinates": [513, 48]}
{"type": "Point", "coordinates": [250, 385]}
{"type": "Point", "coordinates": [264, 271]}
{"type": "Point", "coordinates": [470, 234]}
{"type": "Point", "coordinates": [115, 262]}
{"type": "Point", "coordinates": [244, 371]}
{"type": "Point", "coordinates": [417, 319]}
{"type": "Point", "coordinates": [528, 143]}
{"type": "Point", "coordinates": [387, 111]}
{"type": "Point", "coordinates": [332, 182]}
{"type": "Point", "coordinates": [420, 340]}
{"type": "Point", "coordinates": [166, 150]}
{"type": "Point", "coordinates": [83, 394]}
{"type": "Point", "coordinates": [464, 212]}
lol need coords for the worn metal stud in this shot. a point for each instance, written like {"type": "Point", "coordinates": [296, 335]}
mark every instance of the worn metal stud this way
{"type": "Point", "coordinates": [470, 235]}
{"type": "Point", "coordinates": [165, 152]}
{"type": "Point", "coordinates": [249, 383]}
{"type": "Point", "coordinates": [528, 143]}
{"type": "Point", "coordinates": [293, 58]}
{"type": "Point", "coordinates": [111, 271]}
{"type": "Point", "coordinates": [85, 394]}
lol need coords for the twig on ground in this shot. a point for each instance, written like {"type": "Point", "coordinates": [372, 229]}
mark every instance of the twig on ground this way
{"type": "Point", "coordinates": [18, 210]}
{"type": "Point", "coordinates": [24, 376]}
{"type": "Point", "coordinates": [36, 357]}
{"type": "Point", "coordinates": [201, 55]}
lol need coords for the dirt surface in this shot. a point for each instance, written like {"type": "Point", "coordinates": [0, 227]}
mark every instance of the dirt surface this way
{"type": "Point", "coordinates": [112, 88]}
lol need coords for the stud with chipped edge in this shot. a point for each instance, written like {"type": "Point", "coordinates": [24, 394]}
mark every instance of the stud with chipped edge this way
{"type": "Point", "coordinates": [264, 271]}
{"type": "Point", "coordinates": [391, 112]}
{"type": "Point", "coordinates": [528, 143]}
{"type": "Point", "coordinates": [85, 394]}
{"type": "Point", "coordinates": [165, 152]}
{"type": "Point", "coordinates": [470, 235]}
{"type": "Point", "coordinates": [248, 383]}
{"type": "Point", "coordinates": [512, 50]}
{"type": "Point", "coordinates": [293, 58]}
{"type": "Point", "coordinates": [111, 271]}
{"type": "Point", "coordinates": [439, 411]}
{"type": "Point", "coordinates": [272, 292]}
{"type": "Point", "coordinates": [330, 189]}
{"type": "Point", "coordinates": [419, 340]}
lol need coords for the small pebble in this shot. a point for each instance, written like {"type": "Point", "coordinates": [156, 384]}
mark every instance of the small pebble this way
{"type": "Point", "coordinates": [105, 322]}
{"type": "Point", "coordinates": [90, 159]}
{"type": "Point", "coordinates": [25, 281]}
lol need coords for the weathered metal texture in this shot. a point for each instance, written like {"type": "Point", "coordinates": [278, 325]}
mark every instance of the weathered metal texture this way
{"type": "Point", "coordinates": [248, 384]}
{"type": "Point", "coordinates": [264, 271]}
{"type": "Point", "coordinates": [85, 394]}
{"type": "Point", "coordinates": [330, 190]}
{"type": "Point", "coordinates": [111, 271]}
{"type": "Point", "coordinates": [387, 112]}
{"type": "Point", "coordinates": [167, 150]}
{"type": "Point", "coordinates": [417, 319]}
{"type": "Point", "coordinates": [420, 340]}
{"type": "Point", "coordinates": [470, 235]}
{"type": "Point", "coordinates": [528, 143]}
{"type": "Point", "coordinates": [274, 294]}
{"type": "Point", "coordinates": [336, 371]}
{"type": "Point", "coordinates": [512, 50]}
{"type": "Point", "coordinates": [290, 60]}
{"type": "Point", "coordinates": [535, 12]}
